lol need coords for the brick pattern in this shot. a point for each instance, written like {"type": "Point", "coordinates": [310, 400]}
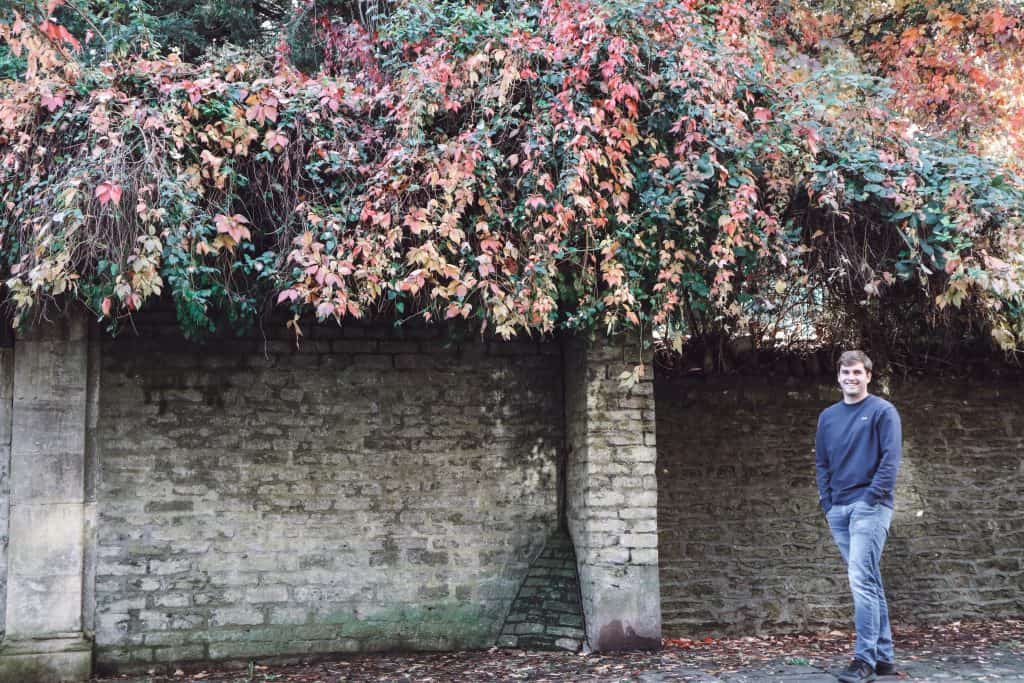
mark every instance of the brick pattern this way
{"type": "Point", "coordinates": [745, 548]}
{"type": "Point", "coordinates": [364, 493]}
{"type": "Point", "coordinates": [613, 499]}
{"type": "Point", "coordinates": [546, 614]}
{"type": "Point", "coordinates": [612, 493]}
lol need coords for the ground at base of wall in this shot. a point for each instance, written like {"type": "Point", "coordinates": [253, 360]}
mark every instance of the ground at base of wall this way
{"type": "Point", "coordinates": [962, 651]}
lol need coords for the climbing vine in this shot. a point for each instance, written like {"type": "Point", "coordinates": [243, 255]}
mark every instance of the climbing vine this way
{"type": "Point", "coordinates": [698, 169]}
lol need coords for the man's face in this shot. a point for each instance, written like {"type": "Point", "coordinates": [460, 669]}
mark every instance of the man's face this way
{"type": "Point", "coordinates": [854, 380]}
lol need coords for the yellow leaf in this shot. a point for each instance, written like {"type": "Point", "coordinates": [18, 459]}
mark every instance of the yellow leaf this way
{"type": "Point", "coordinates": [1004, 338]}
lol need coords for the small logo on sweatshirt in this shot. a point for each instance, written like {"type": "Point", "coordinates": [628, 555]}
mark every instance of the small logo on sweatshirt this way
{"type": "Point", "coordinates": [864, 418]}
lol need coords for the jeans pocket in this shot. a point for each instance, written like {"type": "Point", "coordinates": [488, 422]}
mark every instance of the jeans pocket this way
{"type": "Point", "coordinates": [865, 506]}
{"type": "Point", "coordinates": [835, 514]}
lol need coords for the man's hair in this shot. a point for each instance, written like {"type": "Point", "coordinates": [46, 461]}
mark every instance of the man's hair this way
{"type": "Point", "coordinates": [852, 358]}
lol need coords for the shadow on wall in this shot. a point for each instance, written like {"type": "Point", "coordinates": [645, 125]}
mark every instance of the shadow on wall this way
{"type": "Point", "coordinates": [743, 544]}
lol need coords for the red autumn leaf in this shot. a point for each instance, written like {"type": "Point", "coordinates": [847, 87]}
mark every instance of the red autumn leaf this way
{"type": "Point", "coordinates": [59, 34]}
{"type": "Point", "coordinates": [275, 140]}
{"type": "Point", "coordinates": [52, 102]}
{"type": "Point", "coordinates": [233, 226]}
{"type": "Point", "coordinates": [108, 192]}
{"type": "Point", "coordinates": [194, 92]}
{"type": "Point", "coordinates": [261, 108]}
{"type": "Point", "coordinates": [416, 221]}
{"type": "Point", "coordinates": [489, 245]}
{"type": "Point", "coordinates": [999, 22]}
{"type": "Point", "coordinates": [288, 295]}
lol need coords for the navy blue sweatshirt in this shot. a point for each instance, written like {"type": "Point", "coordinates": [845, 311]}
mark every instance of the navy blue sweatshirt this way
{"type": "Point", "coordinates": [857, 452]}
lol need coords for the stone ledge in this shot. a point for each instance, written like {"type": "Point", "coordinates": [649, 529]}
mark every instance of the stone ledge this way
{"type": "Point", "coordinates": [56, 660]}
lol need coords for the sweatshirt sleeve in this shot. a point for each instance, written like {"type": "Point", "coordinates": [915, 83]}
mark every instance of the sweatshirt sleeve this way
{"type": "Point", "coordinates": [890, 442]}
{"type": "Point", "coordinates": [823, 476]}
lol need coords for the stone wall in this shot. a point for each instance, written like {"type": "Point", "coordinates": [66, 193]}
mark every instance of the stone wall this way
{"type": "Point", "coordinates": [366, 492]}
{"type": "Point", "coordinates": [745, 548]}
{"type": "Point", "coordinates": [6, 394]}
{"type": "Point", "coordinates": [374, 490]}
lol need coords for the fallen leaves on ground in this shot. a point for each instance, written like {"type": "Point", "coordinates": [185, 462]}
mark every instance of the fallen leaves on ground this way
{"type": "Point", "coordinates": [967, 638]}
{"type": "Point", "coordinates": [678, 660]}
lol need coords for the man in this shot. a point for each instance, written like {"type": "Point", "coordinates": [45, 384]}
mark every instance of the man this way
{"type": "Point", "coordinates": [857, 456]}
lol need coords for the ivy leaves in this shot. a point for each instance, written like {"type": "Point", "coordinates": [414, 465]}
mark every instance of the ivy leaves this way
{"type": "Point", "coordinates": [567, 165]}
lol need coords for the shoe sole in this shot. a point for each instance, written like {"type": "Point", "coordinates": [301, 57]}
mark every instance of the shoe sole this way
{"type": "Point", "coordinates": [870, 678]}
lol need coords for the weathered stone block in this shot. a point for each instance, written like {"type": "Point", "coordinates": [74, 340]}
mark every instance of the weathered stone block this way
{"type": "Point", "coordinates": [641, 526]}
{"type": "Point", "coordinates": [51, 541]}
{"type": "Point", "coordinates": [644, 499]}
{"type": "Point", "coordinates": [611, 555]}
{"type": "Point", "coordinates": [48, 453]}
{"type": "Point", "coordinates": [624, 612]}
{"type": "Point", "coordinates": [507, 640]}
{"type": "Point", "coordinates": [606, 498]}
{"type": "Point", "coordinates": [66, 660]}
{"type": "Point", "coordinates": [636, 512]}
{"type": "Point", "coordinates": [169, 566]}
{"type": "Point", "coordinates": [236, 616]}
{"type": "Point", "coordinates": [565, 631]}
{"type": "Point", "coordinates": [181, 653]}
{"type": "Point", "coordinates": [267, 594]}
{"type": "Point", "coordinates": [571, 644]}
{"type": "Point", "coordinates": [236, 650]}
{"type": "Point", "coordinates": [648, 556]}
{"type": "Point", "coordinates": [43, 605]}
{"type": "Point", "coordinates": [639, 540]}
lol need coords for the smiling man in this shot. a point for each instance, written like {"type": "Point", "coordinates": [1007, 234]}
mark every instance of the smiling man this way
{"type": "Point", "coordinates": [857, 456]}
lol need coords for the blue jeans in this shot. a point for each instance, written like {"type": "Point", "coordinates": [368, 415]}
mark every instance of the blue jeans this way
{"type": "Point", "coordinates": [860, 530]}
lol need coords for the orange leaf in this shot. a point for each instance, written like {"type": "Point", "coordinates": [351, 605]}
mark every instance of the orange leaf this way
{"type": "Point", "coordinates": [59, 34]}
